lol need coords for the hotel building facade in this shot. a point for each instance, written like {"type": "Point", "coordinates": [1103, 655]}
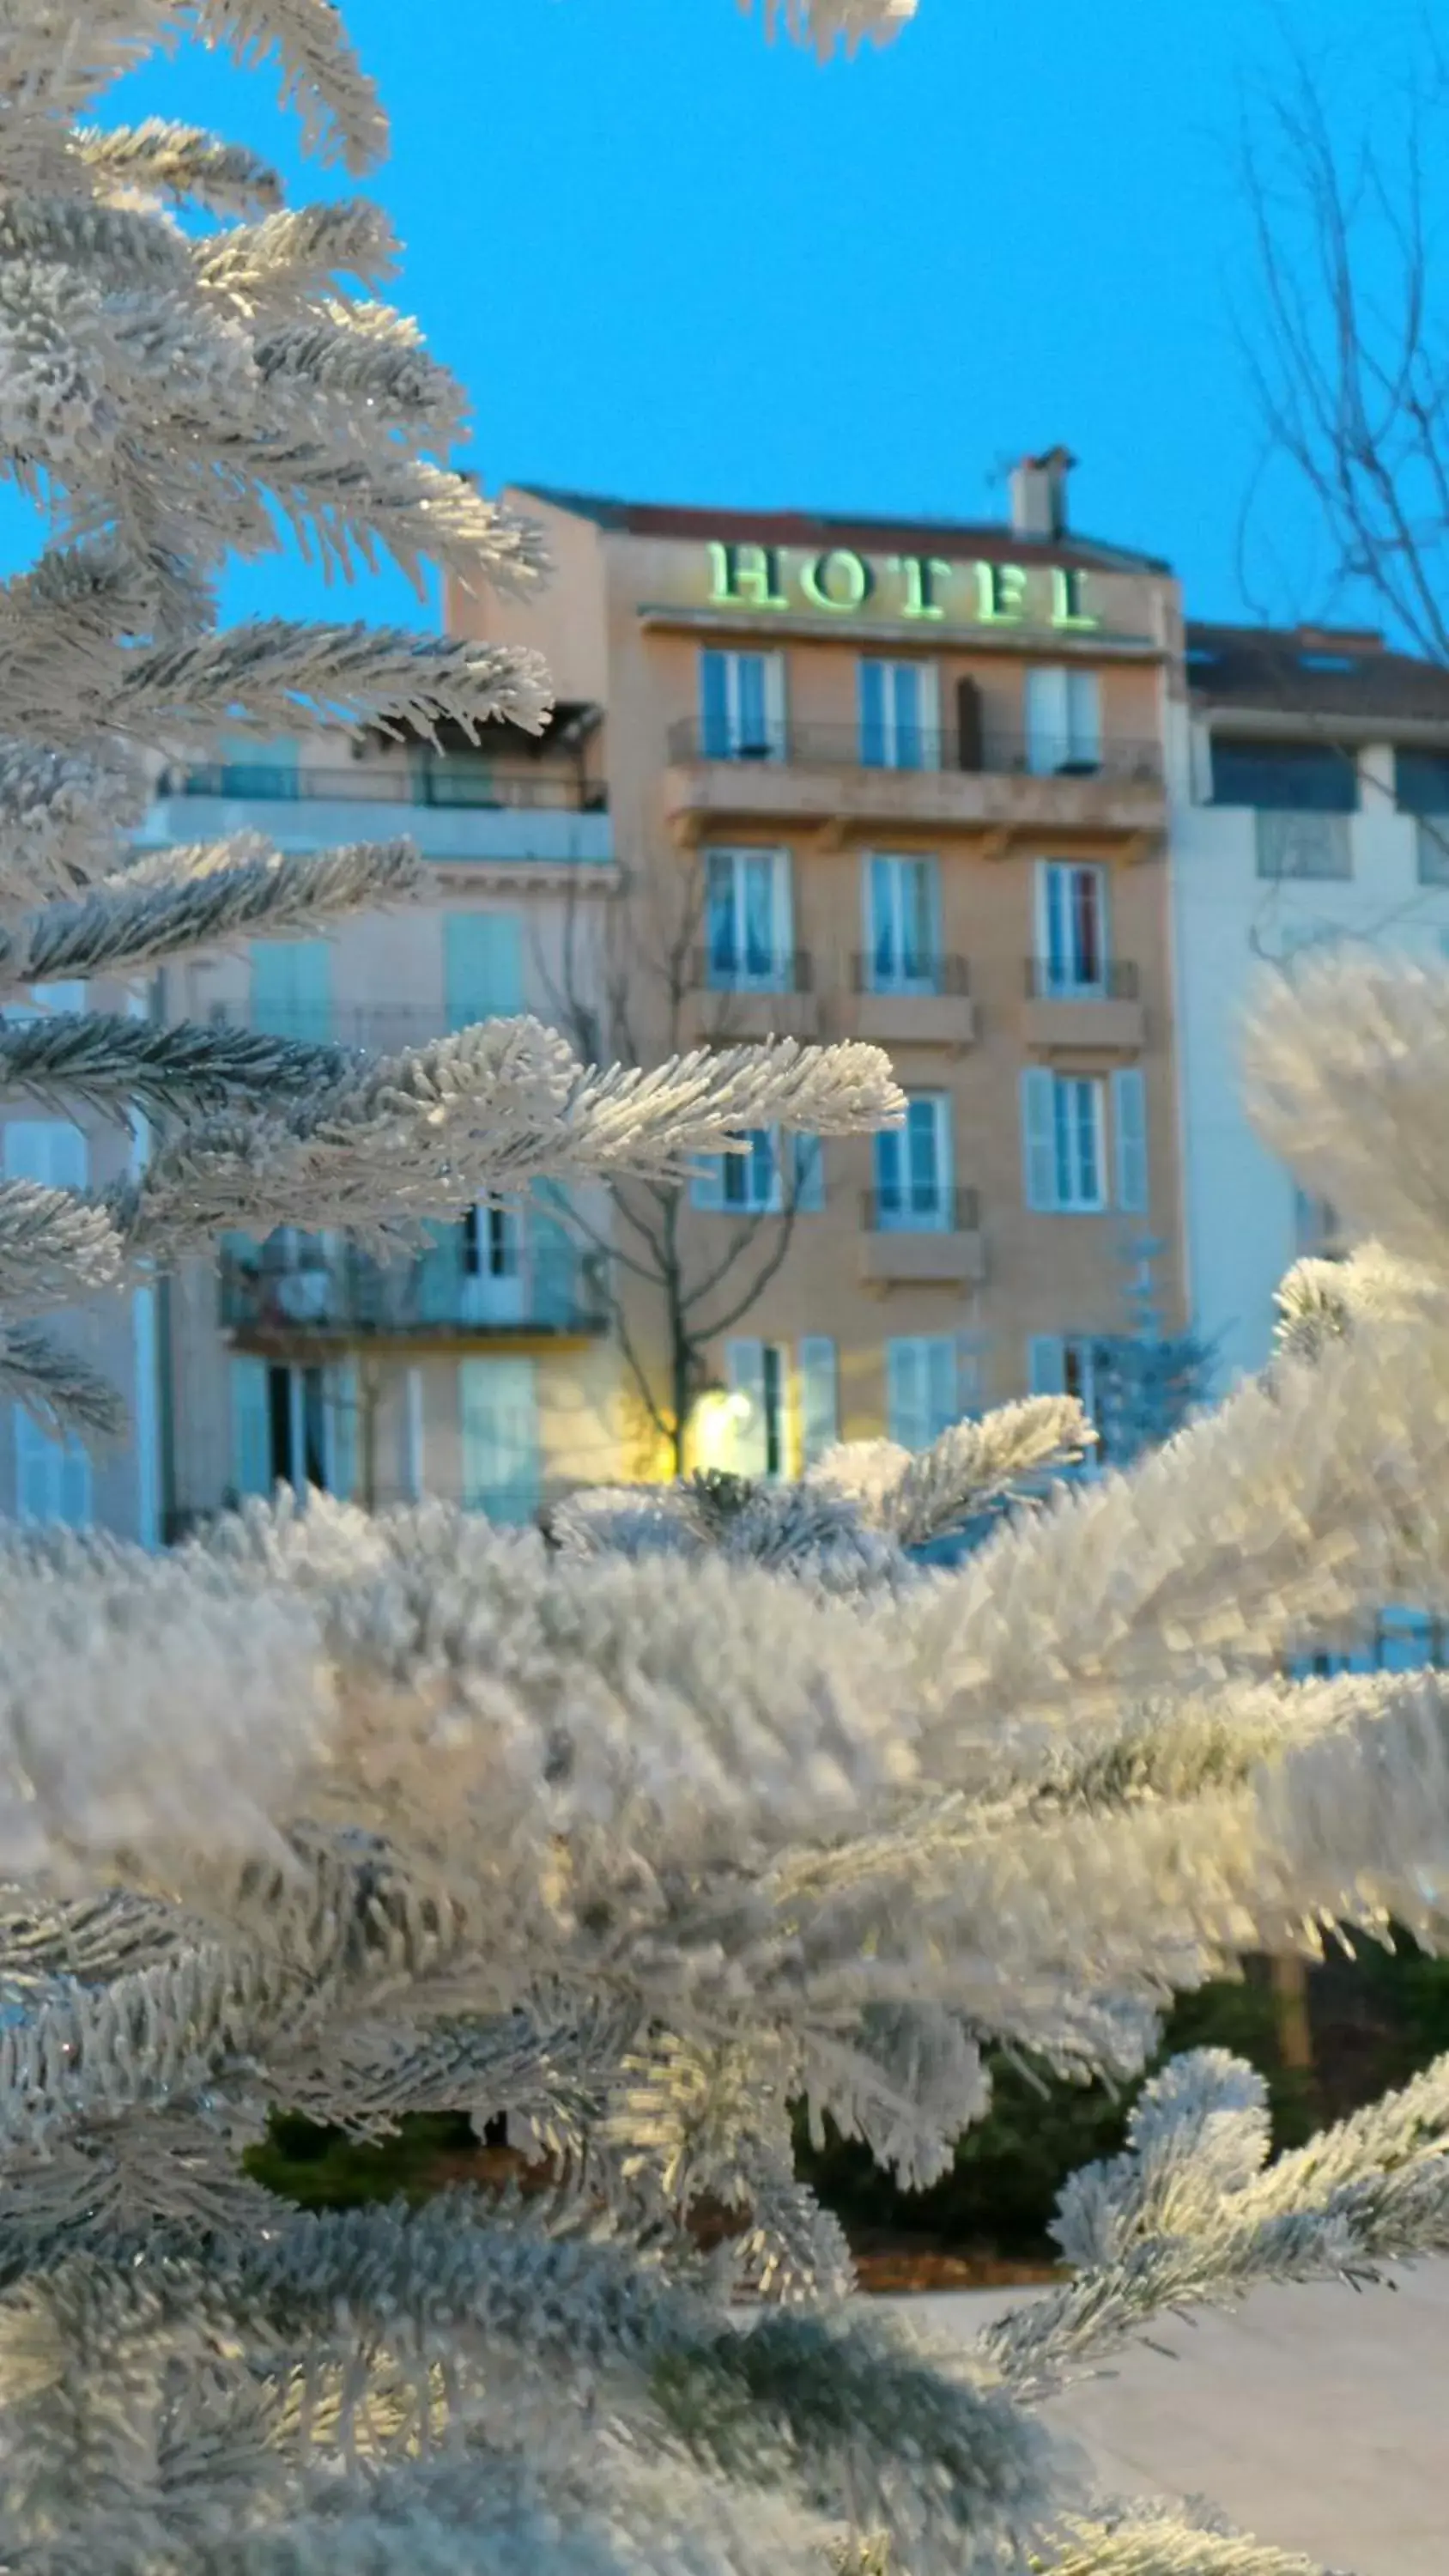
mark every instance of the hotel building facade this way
{"type": "Point", "coordinates": [908, 783]}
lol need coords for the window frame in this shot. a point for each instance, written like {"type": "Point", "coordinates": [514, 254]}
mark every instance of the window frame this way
{"type": "Point", "coordinates": [884, 734]}
{"type": "Point", "coordinates": [889, 868]}
{"type": "Point", "coordinates": [726, 730]}
{"type": "Point", "coordinates": [1070, 745]}
{"type": "Point", "coordinates": [1327, 760]}
{"type": "Point", "coordinates": [1058, 923]}
{"type": "Point", "coordinates": [1070, 1092]}
{"type": "Point", "coordinates": [776, 975]}
{"type": "Point", "coordinates": [893, 1146]}
{"type": "Point", "coordinates": [923, 1349]}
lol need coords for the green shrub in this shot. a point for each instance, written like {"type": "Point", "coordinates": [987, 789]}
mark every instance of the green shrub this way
{"type": "Point", "coordinates": [1374, 2020]}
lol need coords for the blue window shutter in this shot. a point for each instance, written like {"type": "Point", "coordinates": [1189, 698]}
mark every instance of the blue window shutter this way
{"type": "Point", "coordinates": [482, 966]}
{"type": "Point", "coordinates": [498, 1420]}
{"type": "Point", "coordinates": [872, 715]}
{"type": "Point", "coordinates": [341, 1398]}
{"type": "Point", "coordinates": [51, 1150]}
{"type": "Point", "coordinates": [251, 1430]}
{"type": "Point", "coordinates": [714, 703]}
{"type": "Point", "coordinates": [745, 1374]}
{"type": "Point", "coordinates": [706, 1188]}
{"type": "Point", "coordinates": [1046, 1365]}
{"type": "Point", "coordinates": [436, 1286]}
{"type": "Point", "coordinates": [906, 1391]}
{"type": "Point", "coordinates": [819, 1397]}
{"type": "Point", "coordinates": [809, 1174]}
{"type": "Point", "coordinates": [1038, 1137]}
{"type": "Point", "coordinates": [942, 1376]}
{"type": "Point", "coordinates": [52, 1477]}
{"type": "Point", "coordinates": [1047, 719]}
{"type": "Point", "coordinates": [1129, 1123]}
{"type": "Point", "coordinates": [292, 989]}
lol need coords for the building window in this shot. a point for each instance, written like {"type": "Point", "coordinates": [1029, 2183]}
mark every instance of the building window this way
{"type": "Point", "coordinates": [493, 1266]}
{"type": "Point", "coordinates": [1285, 777]}
{"type": "Point", "coordinates": [1063, 721]}
{"type": "Point", "coordinates": [903, 924]}
{"type": "Point", "coordinates": [492, 1243]}
{"type": "Point", "coordinates": [1071, 928]}
{"type": "Point", "coordinates": [1071, 1364]}
{"type": "Point", "coordinates": [250, 766]}
{"type": "Point", "coordinates": [925, 1390]}
{"type": "Point", "coordinates": [498, 1424]}
{"type": "Point", "coordinates": [293, 1425]}
{"type": "Point", "coordinates": [1077, 1121]}
{"type": "Point", "coordinates": [1421, 782]}
{"type": "Point", "coordinates": [900, 723]}
{"type": "Point", "coordinates": [482, 967]}
{"type": "Point", "coordinates": [819, 1397]}
{"type": "Point", "coordinates": [748, 909]}
{"type": "Point", "coordinates": [758, 1374]}
{"type": "Point", "coordinates": [752, 1183]}
{"type": "Point", "coordinates": [1302, 845]}
{"type": "Point", "coordinates": [741, 705]}
{"type": "Point", "coordinates": [1063, 1134]}
{"type": "Point", "coordinates": [913, 1167]}
{"type": "Point", "coordinates": [292, 989]}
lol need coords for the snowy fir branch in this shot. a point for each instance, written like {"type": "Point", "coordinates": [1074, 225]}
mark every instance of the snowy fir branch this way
{"type": "Point", "coordinates": [699, 1807]}
{"type": "Point", "coordinates": [825, 24]}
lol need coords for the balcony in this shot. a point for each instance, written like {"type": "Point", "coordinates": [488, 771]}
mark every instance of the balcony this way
{"type": "Point", "coordinates": [736, 1003]}
{"type": "Point", "coordinates": [1106, 1017]}
{"type": "Point", "coordinates": [940, 1246]}
{"type": "Point", "coordinates": [930, 1009]}
{"type": "Point", "coordinates": [821, 774]}
{"type": "Point", "coordinates": [319, 1294]}
{"type": "Point", "coordinates": [516, 824]}
{"type": "Point", "coordinates": [478, 786]}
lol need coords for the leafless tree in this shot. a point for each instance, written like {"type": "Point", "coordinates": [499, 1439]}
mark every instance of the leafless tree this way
{"type": "Point", "coordinates": [673, 1280]}
{"type": "Point", "coordinates": [1349, 352]}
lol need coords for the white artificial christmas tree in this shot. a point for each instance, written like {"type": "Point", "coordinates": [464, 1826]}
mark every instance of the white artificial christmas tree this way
{"type": "Point", "coordinates": [635, 1832]}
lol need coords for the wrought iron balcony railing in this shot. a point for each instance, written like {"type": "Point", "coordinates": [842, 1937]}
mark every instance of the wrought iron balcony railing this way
{"type": "Point", "coordinates": [325, 1293]}
{"type": "Point", "coordinates": [455, 783]}
{"type": "Point", "coordinates": [909, 1210]}
{"type": "Point", "coordinates": [935, 748]}
{"type": "Point", "coordinates": [1116, 980]}
{"type": "Point", "coordinates": [931, 976]}
{"type": "Point", "coordinates": [746, 970]}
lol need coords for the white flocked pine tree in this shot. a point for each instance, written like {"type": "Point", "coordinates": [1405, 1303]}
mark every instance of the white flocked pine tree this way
{"type": "Point", "coordinates": [635, 1833]}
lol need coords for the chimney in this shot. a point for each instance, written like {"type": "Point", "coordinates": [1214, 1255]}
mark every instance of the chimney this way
{"type": "Point", "coordinates": [1039, 494]}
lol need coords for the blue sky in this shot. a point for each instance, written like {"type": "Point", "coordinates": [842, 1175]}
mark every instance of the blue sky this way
{"type": "Point", "coordinates": [672, 261]}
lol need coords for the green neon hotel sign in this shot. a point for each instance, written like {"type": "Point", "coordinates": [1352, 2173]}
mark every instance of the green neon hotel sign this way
{"type": "Point", "coordinates": [841, 583]}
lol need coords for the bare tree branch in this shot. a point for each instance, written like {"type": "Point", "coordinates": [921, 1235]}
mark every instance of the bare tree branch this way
{"type": "Point", "coordinates": [621, 990]}
{"type": "Point", "coordinates": [1349, 363]}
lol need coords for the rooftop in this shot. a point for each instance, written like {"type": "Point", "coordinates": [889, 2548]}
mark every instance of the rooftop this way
{"type": "Point", "coordinates": [963, 539]}
{"type": "Point", "coordinates": [1346, 671]}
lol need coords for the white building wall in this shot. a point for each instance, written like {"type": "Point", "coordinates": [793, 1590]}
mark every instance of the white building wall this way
{"type": "Point", "coordinates": [1232, 932]}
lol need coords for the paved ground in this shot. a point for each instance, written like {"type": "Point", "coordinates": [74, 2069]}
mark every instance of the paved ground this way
{"type": "Point", "coordinates": [1315, 2417]}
